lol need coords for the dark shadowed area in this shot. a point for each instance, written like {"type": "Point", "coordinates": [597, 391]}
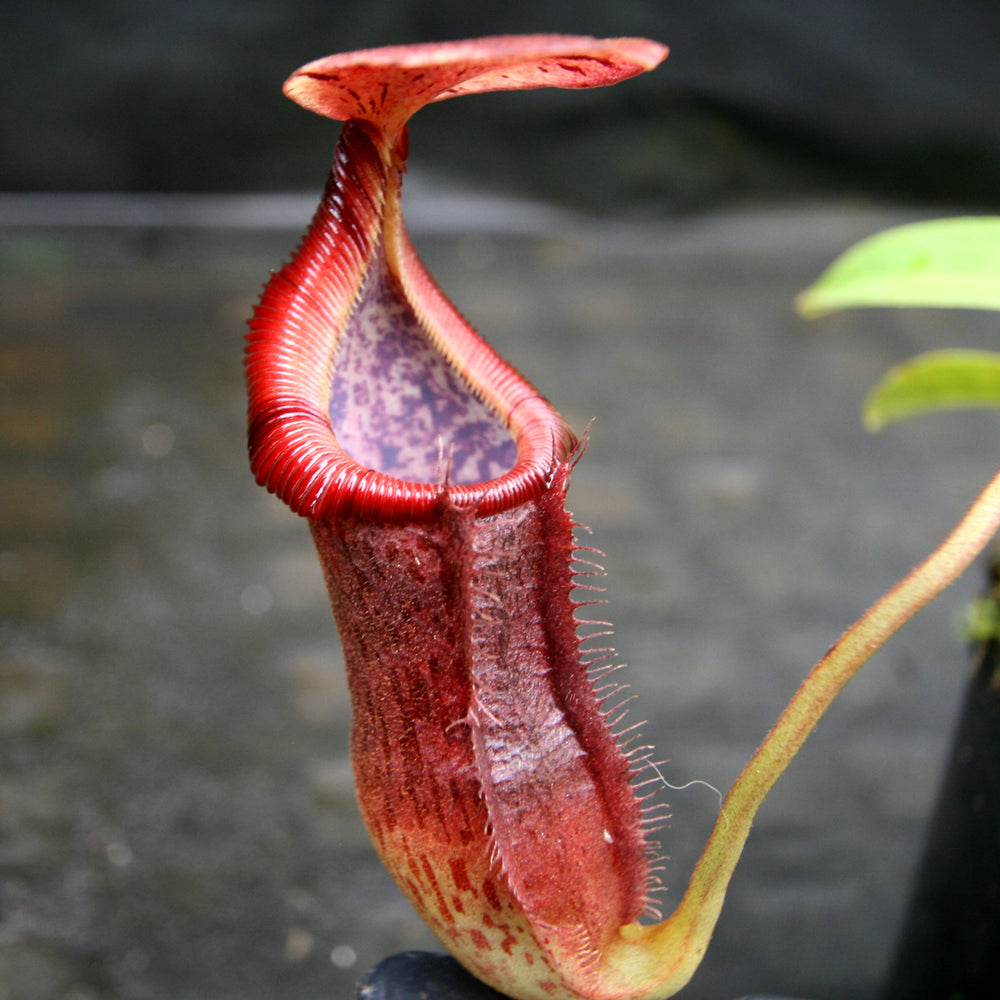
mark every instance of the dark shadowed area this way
{"type": "Point", "coordinates": [177, 818]}
{"type": "Point", "coordinates": [759, 98]}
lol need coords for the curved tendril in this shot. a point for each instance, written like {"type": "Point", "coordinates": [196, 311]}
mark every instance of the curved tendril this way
{"type": "Point", "coordinates": [695, 917]}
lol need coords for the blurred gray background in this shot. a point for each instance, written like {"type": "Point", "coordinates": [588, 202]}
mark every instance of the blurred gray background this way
{"type": "Point", "coordinates": [176, 812]}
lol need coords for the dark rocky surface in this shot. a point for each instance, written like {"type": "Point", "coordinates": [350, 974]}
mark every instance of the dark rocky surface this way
{"type": "Point", "coordinates": [176, 812]}
{"type": "Point", "coordinates": [758, 97]}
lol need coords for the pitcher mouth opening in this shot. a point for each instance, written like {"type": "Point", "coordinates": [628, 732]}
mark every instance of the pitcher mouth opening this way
{"type": "Point", "coordinates": [392, 427]}
{"type": "Point", "coordinates": [370, 395]}
{"type": "Point", "coordinates": [396, 405]}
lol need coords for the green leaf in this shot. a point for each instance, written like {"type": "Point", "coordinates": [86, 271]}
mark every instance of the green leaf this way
{"type": "Point", "coordinates": [947, 262]}
{"type": "Point", "coordinates": [937, 380]}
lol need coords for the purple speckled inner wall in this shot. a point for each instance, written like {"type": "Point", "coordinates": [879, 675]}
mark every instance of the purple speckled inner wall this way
{"type": "Point", "coordinates": [417, 420]}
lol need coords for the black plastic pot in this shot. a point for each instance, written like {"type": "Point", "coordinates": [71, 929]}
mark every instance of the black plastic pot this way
{"type": "Point", "coordinates": [415, 974]}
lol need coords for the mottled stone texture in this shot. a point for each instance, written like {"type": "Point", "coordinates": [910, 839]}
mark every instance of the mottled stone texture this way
{"type": "Point", "coordinates": [177, 816]}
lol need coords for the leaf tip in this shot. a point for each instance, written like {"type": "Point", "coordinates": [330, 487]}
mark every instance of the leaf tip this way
{"type": "Point", "coordinates": [808, 304]}
{"type": "Point", "coordinates": [872, 417]}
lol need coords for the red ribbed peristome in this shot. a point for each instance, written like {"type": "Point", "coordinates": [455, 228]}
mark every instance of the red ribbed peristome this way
{"type": "Point", "coordinates": [292, 345]}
